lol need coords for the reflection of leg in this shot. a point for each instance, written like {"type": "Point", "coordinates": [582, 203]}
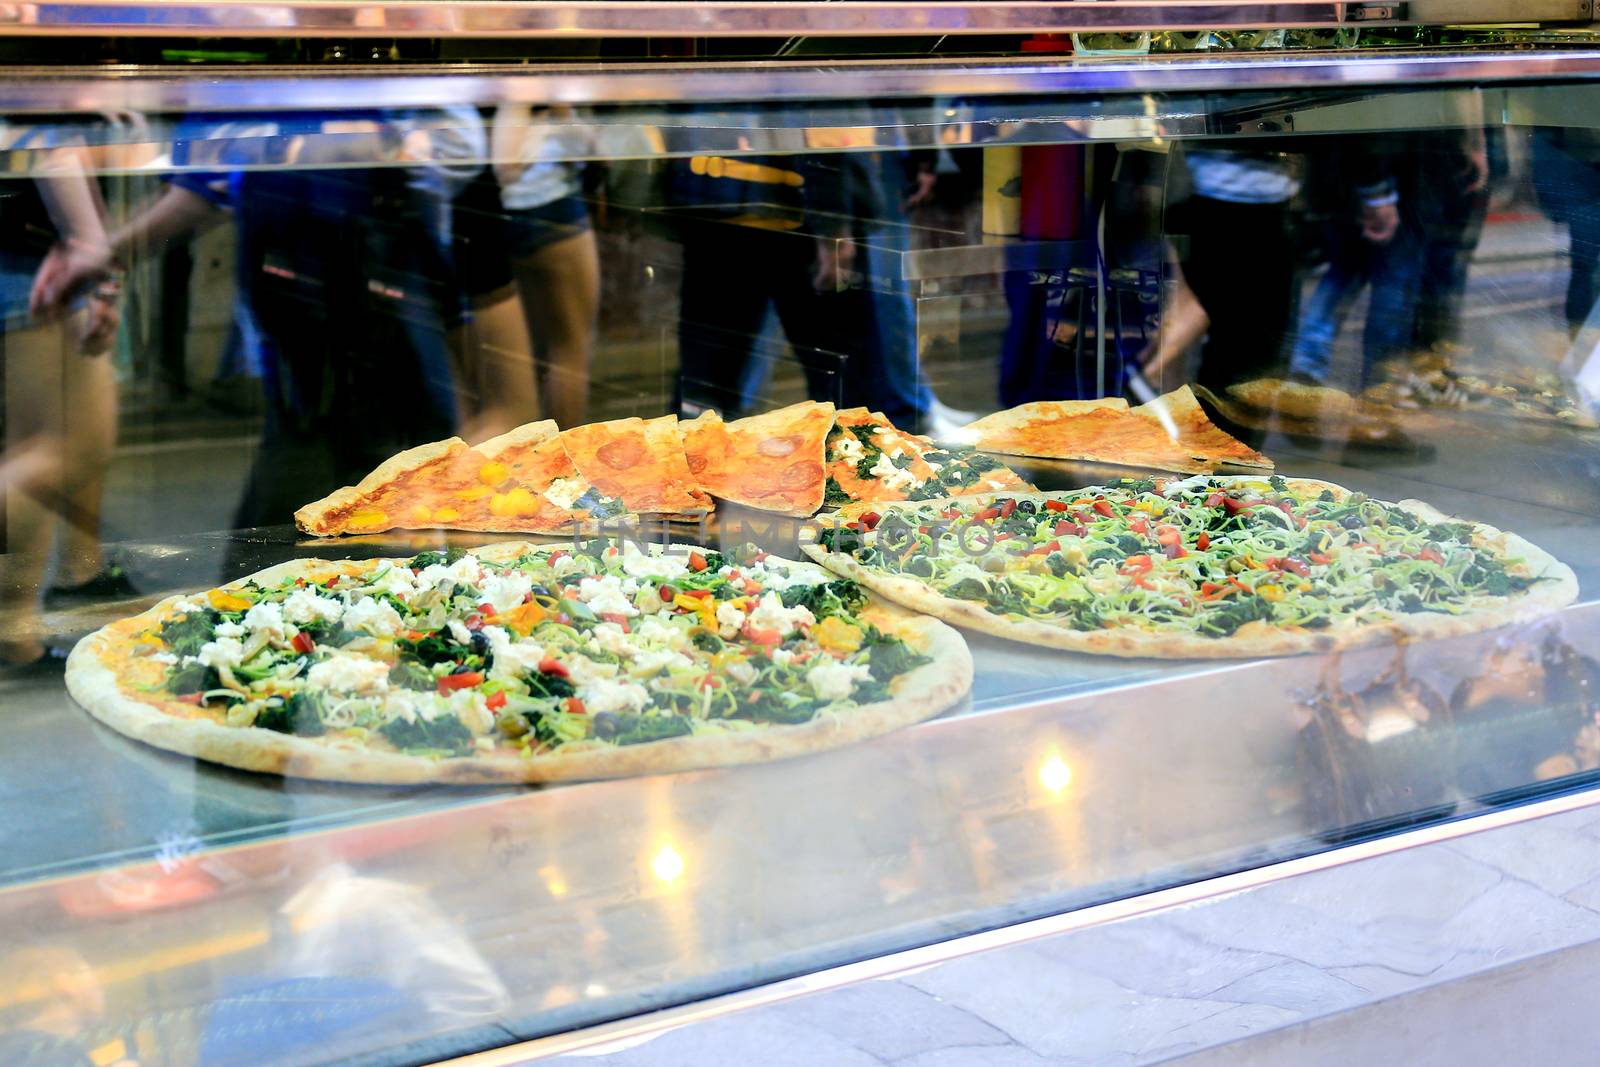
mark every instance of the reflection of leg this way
{"type": "Point", "coordinates": [560, 286]}
{"type": "Point", "coordinates": [32, 473]}
{"type": "Point", "coordinates": [90, 434]}
{"type": "Point", "coordinates": [1585, 261]}
{"type": "Point", "coordinates": [723, 300]}
{"type": "Point", "coordinates": [496, 384]}
{"type": "Point", "coordinates": [1319, 327]}
{"type": "Point", "coordinates": [1391, 314]}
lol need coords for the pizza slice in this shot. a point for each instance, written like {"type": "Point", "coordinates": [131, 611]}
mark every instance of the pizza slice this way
{"type": "Point", "coordinates": [772, 461]}
{"type": "Point", "coordinates": [1298, 400]}
{"type": "Point", "coordinates": [522, 482]}
{"type": "Point", "coordinates": [872, 460]}
{"type": "Point", "coordinates": [641, 463]}
{"type": "Point", "coordinates": [1171, 432]}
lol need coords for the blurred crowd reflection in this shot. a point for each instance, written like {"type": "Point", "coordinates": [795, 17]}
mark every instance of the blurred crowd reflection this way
{"type": "Point", "coordinates": [395, 276]}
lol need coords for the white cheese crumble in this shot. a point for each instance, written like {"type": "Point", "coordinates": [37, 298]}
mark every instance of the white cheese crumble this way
{"type": "Point", "coordinates": [565, 565]}
{"type": "Point", "coordinates": [893, 477]}
{"type": "Point", "coordinates": [605, 596]}
{"type": "Point", "coordinates": [563, 492]}
{"type": "Point", "coordinates": [266, 619]}
{"type": "Point", "coordinates": [833, 681]}
{"type": "Point", "coordinates": [397, 580]}
{"type": "Point", "coordinates": [505, 591]}
{"type": "Point", "coordinates": [646, 664]}
{"type": "Point", "coordinates": [349, 674]}
{"type": "Point", "coordinates": [228, 629]}
{"type": "Point", "coordinates": [781, 656]}
{"type": "Point", "coordinates": [376, 617]}
{"type": "Point", "coordinates": [641, 565]}
{"type": "Point", "coordinates": [303, 606]}
{"type": "Point", "coordinates": [608, 637]}
{"type": "Point", "coordinates": [658, 632]}
{"type": "Point", "coordinates": [464, 571]}
{"type": "Point", "coordinates": [729, 619]}
{"type": "Point", "coordinates": [770, 614]}
{"type": "Point", "coordinates": [511, 656]}
{"type": "Point", "coordinates": [185, 606]}
{"type": "Point", "coordinates": [223, 652]}
{"type": "Point", "coordinates": [614, 696]}
{"type": "Point", "coordinates": [848, 447]}
{"type": "Point", "coordinates": [584, 670]}
{"type": "Point", "coordinates": [459, 631]}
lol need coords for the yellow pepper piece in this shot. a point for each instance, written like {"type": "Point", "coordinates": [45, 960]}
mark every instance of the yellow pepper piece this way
{"type": "Point", "coordinates": [421, 513]}
{"type": "Point", "coordinates": [369, 517]}
{"type": "Point", "coordinates": [1270, 593]}
{"type": "Point", "coordinates": [223, 600]}
{"type": "Point", "coordinates": [493, 473]}
{"type": "Point", "coordinates": [836, 635]}
{"type": "Point", "coordinates": [446, 515]}
{"type": "Point", "coordinates": [522, 618]}
{"type": "Point", "coordinates": [517, 502]}
{"type": "Point", "coordinates": [474, 492]}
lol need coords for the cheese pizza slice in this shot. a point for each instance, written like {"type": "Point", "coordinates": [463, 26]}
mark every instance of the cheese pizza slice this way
{"type": "Point", "coordinates": [641, 463]}
{"type": "Point", "coordinates": [773, 461]}
{"type": "Point", "coordinates": [872, 460]}
{"type": "Point", "coordinates": [1171, 432]}
{"type": "Point", "coordinates": [520, 482]}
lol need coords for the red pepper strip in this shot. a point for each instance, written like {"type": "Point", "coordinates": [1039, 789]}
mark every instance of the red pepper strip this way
{"type": "Point", "coordinates": [1142, 582]}
{"type": "Point", "coordinates": [764, 637]}
{"type": "Point", "coordinates": [666, 593]}
{"type": "Point", "coordinates": [302, 643]}
{"type": "Point", "coordinates": [1213, 591]}
{"type": "Point", "coordinates": [617, 617]}
{"type": "Point", "coordinates": [1045, 550]}
{"type": "Point", "coordinates": [464, 680]}
{"type": "Point", "coordinates": [191, 698]}
{"type": "Point", "coordinates": [1319, 558]}
{"type": "Point", "coordinates": [986, 514]}
{"type": "Point", "coordinates": [1136, 564]}
{"type": "Point", "coordinates": [759, 556]}
{"type": "Point", "coordinates": [576, 706]}
{"type": "Point", "coordinates": [1214, 500]}
{"type": "Point", "coordinates": [951, 513]}
{"type": "Point", "coordinates": [1007, 508]}
{"type": "Point", "coordinates": [486, 608]}
{"type": "Point", "coordinates": [1174, 550]}
{"type": "Point", "coordinates": [753, 587]}
{"type": "Point", "coordinates": [697, 562]}
{"type": "Point", "coordinates": [549, 665]}
{"type": "Point", "coordinates": [1055, 505]}
{"type": "Point", "coordinates": [1293, 566]}
{"type": "Point", "coordinates": [1140, 526]}
{"type": "Point", "coordinates": [1168, 535]}
{"type": "Point", "coordinates": [1432, 555]}
{"type": "Point", "coordinates": [1104, 507]}
{"type": "Point", "coordinates": [696, 592]}
{"type": "Point", "coordinates": [1203, 542]}
{"type": "Point", "coordinates": [1001, 537]}
{"type": "Point", "coordinates": [496, 701]}
{"type": "Point", "coordinates": [1064, 526]}
{"type": "Point", "coordinates": [1233, 507]}
{"type": "Point", "coordinates": [709, 682]}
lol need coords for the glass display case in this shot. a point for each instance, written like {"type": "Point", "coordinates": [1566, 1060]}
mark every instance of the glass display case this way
{"type": "Point", "coordinates": [1350, 244]}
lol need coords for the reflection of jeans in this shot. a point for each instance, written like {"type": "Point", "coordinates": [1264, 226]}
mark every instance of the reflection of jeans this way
{"type": "Point", "coordinates": [1393, 270]}
{"type": "Point", "coordinates": [895, 383]}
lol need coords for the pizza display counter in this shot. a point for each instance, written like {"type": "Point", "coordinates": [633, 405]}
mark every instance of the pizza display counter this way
{"type": "Point", "coordinates": [1317, 581]}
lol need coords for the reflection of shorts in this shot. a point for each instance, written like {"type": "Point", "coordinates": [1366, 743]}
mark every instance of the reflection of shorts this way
{"type": "Point", "coordinates": [16, 282]}
{"type": "Point", "coordinates": [531, 229]}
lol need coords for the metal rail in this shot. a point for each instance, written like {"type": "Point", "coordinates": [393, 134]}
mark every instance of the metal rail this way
{"type": "Point", "coordinates": [647, 18]}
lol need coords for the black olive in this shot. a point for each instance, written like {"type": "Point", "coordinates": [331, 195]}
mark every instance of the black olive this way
{"type": "Point", "coordinates": [1352, 522]}
{"type": "Point", "coordinates": [480, 644]}
{"type": "Point", "coordinates": [606, 725]}
{"type": "Point", "coordinates": [538, 590]}
{"type": "Point", "coordinates": [462, 668]}
{"type": "Point", "coordinates": [1027, 507]}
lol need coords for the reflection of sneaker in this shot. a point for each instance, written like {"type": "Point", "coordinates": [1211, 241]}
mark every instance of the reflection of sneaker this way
{"type": "Point", "coordinates": [941, 422]}
{"type": "Point", "coordinates": [111, 583]}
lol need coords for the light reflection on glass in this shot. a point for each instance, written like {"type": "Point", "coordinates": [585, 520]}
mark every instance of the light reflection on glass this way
{"type": "Point", "coordinates": [667, 864]}
{"type": "Point", "coordinates": [1055, 775]}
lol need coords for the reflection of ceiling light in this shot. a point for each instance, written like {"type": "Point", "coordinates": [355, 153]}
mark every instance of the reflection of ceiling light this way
{"type": "Point", "coordinates": [594, 989]}
{"type": "Point", "coordinates": [553, 882]}
{"type": "Point", "coordinates": [667, 864]}
{"type": "Point", "coordinates": [1055, 775]}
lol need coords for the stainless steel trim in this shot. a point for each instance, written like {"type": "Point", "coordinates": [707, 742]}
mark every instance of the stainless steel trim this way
{"type": "Point", "coordinates": [54, 90]}
{"type": "Point", "coordinates": [645, 18]}
{"type": "Point", "coordinates": [930, 955]}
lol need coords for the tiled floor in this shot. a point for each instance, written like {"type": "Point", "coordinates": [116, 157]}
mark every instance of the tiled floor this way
{"type": "Point", "coordinates": [1198, 977]}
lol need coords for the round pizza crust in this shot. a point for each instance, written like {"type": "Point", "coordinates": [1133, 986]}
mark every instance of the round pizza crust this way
{"type": "Point", "coordinates": [1255, 638]}
{"type": "Point", "coordinates": [95, 681]}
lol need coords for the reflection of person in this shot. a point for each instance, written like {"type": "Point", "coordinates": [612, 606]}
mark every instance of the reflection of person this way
{"type": "Point", "coordinates": [552, 247]}
{"type": "Point", "coordinates": [1240, 263]}
{"type": "Point", "coordinates": [53, 1005]}
{"type": "Point", "coordinates": [342, 262]}
{"type": "Point", "coordinates": [1566, 176]}
{"type": "Point", "coordinates": [59, 397]}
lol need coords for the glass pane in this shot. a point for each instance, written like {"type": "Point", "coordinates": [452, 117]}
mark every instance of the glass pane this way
{"type": "Point", "coordinates": [214, 319]}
